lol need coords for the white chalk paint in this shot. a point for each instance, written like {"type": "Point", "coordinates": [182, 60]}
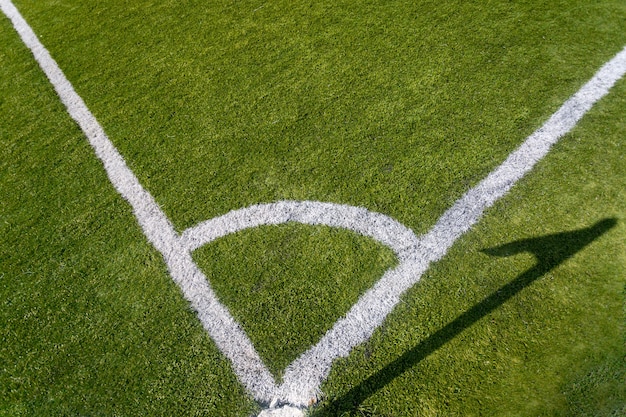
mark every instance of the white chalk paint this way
{"type": "Point", "coordinates": [304, 376]}
{"type": "Point", "coordinates": [284, 411]}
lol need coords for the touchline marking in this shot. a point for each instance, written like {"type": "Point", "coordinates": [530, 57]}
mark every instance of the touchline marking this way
{"type": "Point", "coordinates": [304, 376]}
{"type": "Point", "coordinates": [215, 318]}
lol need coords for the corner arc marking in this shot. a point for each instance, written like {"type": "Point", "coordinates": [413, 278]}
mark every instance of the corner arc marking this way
{"type": "Point", "coordinates": [377, 226]}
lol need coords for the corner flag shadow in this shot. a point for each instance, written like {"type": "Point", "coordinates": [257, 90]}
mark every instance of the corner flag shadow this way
{"type": "Point", "coordinates": [550, 251]}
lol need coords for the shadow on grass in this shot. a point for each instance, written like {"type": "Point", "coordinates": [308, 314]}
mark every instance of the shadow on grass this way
{"type": "Point", "coordinates": [550, 251]}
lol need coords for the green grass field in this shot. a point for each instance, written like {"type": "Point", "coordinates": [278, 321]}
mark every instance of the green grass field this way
{"type": "Point", "coordinates": [398, 107]}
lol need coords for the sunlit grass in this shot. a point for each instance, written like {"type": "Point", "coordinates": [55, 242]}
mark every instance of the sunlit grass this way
{"type": "Point", "coordinates": [397, 107]}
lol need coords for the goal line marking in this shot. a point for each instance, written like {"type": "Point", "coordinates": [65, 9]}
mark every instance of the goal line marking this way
{"type": "Point", "coordinates": [303, 377]}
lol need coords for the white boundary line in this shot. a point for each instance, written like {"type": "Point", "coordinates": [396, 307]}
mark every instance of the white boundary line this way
{"type": "Point", "coordinates": [216, 319]}
{"type": "Point", "coordinates": [304, 376]}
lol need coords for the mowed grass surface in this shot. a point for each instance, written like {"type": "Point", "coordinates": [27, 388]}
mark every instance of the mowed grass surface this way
{"type": "Point", "coordinates": [397, 107]}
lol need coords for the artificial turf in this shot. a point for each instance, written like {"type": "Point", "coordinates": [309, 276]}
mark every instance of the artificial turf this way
{"type": "Point", "coordinates": [398, 107]}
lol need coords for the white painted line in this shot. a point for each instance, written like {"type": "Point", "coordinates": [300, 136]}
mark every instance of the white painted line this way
{"type": "Point", "coordinates": [152, 220]}
{"type": "Point", "coordinates": [382, 228]}
{"type": "Point", "coordinates": [304, 376]}
{"type": "Point", "coordinates": [216, 319]}
{"type": "Point", "coordinates": [282, 411]}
